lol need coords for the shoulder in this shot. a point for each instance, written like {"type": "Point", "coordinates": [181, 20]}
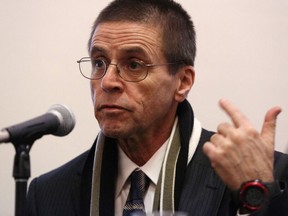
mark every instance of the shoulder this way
{"type": "Point", "coordinates": [280, 156]}
{"type": "Point", "coordinates": [206, 135]}
{"type": "Point", "coordinates": [281, 165]}
{"type": "Point", "coordinates": [51, 193]}
{"type": "Point", "coordinates": [63, 176]}
{"type": "Point", "coordinates": [74, 166]}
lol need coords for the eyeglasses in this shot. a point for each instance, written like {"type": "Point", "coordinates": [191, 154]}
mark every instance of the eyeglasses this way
{"type": "Point", "coordinates": [130, 70]}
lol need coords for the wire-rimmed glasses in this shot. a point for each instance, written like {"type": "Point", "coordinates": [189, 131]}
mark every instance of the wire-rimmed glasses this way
{"type": "Point", "coordinates": [130, 70]}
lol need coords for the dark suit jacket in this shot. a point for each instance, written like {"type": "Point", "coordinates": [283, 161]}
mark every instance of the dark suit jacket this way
{"type": "Point", "coordinates": [66, 190]}
{"type": "Point", "coordinates": [198, 190]}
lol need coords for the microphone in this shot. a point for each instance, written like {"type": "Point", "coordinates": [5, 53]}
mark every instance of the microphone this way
{"type": "Point", "coordinates": [58, 120]}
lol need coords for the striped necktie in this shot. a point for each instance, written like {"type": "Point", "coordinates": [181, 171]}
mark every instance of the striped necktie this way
{"type": "Point", "coordinates": [139, 184]}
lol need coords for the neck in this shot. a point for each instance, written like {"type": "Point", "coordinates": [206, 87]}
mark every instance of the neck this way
{"type": "Point", "coordinates": [141, 148]}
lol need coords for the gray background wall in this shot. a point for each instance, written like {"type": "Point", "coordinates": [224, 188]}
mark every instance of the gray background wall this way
{"type": "Point", "coordinates": [242, 56]}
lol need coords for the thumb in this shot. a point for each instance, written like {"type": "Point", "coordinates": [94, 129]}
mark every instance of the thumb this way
{"type": "Point", "coordinates": [269, 125]}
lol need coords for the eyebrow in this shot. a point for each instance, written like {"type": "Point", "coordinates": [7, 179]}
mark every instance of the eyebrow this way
{"type": "Point", "coordinates": [134, 50]}
{"type": "Point", "coordinates": [125, 50]}
{"type": "Point", "coordinates": [97, 49]}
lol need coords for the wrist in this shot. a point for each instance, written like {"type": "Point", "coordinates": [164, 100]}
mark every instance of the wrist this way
{"type": "Point", "coordinates": [253, 195]}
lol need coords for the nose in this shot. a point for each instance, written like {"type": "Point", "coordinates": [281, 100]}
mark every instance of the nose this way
{"type": "Point", "coordinates": [111, 81]}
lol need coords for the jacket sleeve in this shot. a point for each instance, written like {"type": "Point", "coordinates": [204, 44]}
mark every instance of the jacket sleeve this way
{"type": "Point", "coordinates": [278, 203]}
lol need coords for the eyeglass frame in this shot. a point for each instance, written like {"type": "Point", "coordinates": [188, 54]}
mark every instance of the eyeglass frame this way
{"type": "Point", "coordinates": [87, 59]}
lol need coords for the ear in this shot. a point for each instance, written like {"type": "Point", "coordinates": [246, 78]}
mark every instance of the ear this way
{"type": "Point", "coordinates": [186, 77]}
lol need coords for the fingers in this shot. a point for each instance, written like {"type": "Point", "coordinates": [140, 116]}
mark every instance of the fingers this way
{"type": "Point", "coordinates": [238, 152]}
{"type": "Point", "coordinates": [216, 147]}
{"type": "Point", "coordinates": [269, 125]}
{"type": "Point", "coordinates": [211, 151]}
{"type": "Point", "coordinates": [240, 121]}
{"type": "Point", "coordinates": [233, 112]}
{"type": "Point", "coordinates": [272, 114]}
{"type": "Point", "coordinates": [224, 129]}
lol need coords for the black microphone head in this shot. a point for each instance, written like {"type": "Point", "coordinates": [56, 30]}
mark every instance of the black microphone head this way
{"type": "Point", "coordinates": [66, 119]}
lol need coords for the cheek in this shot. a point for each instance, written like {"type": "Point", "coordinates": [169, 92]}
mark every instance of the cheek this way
{"type": "Point", "coordinates": [93, 97]}
{"type": "Point", "coordinates": [93, 91]}
{"type": "Point", "coordinates": [157, 99]}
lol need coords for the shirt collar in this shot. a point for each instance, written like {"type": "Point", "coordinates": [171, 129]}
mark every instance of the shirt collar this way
{"type": "Point", "coordinates": [151, 168]}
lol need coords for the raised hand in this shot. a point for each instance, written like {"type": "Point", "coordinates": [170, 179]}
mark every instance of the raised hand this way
{"type": "Point", "coordinates": [238, 152]}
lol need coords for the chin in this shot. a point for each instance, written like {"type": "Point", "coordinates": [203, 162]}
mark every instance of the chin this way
{"type": "Point", "coordinates": [112, 133]}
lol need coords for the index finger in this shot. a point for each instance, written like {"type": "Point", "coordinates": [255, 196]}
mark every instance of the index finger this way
{"type": "Point", "coordinates": [237, 117]}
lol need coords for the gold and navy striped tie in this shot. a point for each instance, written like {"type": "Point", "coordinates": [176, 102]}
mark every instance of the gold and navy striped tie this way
{"type": "Point", "coordinates": [139, 184]}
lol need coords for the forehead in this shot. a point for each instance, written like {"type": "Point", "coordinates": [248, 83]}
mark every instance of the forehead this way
{"type": "Point", "coordinates": [126, 37]}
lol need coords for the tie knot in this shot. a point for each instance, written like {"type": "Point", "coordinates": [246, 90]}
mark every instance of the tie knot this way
{"type": "Point", "coordinates": [139, 183]}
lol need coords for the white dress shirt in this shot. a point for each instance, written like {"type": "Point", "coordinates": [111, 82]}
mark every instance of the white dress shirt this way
{"type": "Point", "coordinates": [126, 167]}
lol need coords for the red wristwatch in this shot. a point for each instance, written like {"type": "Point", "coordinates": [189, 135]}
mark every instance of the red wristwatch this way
{"type": "Point", "coordinates": [253, 195]}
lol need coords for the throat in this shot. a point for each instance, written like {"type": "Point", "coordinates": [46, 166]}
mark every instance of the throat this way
{"type": "Point", "coordinates": [139, 153]}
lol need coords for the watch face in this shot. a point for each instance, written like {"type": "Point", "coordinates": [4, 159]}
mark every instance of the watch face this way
{"type": "Point", "coordinates": [254, 196]}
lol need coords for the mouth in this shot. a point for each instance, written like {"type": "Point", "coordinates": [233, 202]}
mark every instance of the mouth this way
{"type": "Point", "coordinates": [111, 107]}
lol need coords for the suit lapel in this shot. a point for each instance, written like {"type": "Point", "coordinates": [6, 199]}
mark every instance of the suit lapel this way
{"type": "Point", "coordinates": [203, 190]}
{"type": "Point", "coordinates": [81, 195]}
{"type": "Point", "coordinates": [197, 186]}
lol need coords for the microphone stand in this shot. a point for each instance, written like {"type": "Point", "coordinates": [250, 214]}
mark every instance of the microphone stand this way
{"type": "Point", "coordinates": [21, 174]}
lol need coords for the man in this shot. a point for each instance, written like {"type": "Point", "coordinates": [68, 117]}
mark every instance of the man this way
{"type": "Point", "coordinates": [142, 55]}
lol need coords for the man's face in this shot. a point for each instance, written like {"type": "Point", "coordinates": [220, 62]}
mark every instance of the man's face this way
{"type": "Point", "coordinates": [126, 109]}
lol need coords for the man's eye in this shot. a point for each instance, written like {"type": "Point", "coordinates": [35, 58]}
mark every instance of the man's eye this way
{"type": "Point", "coordinates": [99, 64]}
{"type": "Point", "coordinates": [135, 65]}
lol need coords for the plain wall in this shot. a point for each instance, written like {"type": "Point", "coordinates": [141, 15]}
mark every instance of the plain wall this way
{"type": "Point", "coordinates": [242, 55]}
